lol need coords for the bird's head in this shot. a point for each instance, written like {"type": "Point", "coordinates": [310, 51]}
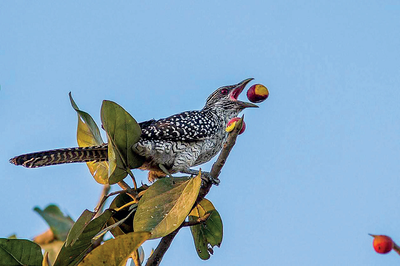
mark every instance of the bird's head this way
{"type": "Point", "coordinates": [225, 98]}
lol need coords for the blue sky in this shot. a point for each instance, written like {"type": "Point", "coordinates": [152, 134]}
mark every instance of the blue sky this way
{"type": "Point", "coordinates": [318, 166]}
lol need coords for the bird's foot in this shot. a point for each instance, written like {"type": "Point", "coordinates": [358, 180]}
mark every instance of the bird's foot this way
{"type": "Point", "coordinates": [205, 176]}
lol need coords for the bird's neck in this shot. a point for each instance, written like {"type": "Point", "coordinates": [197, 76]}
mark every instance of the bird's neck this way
{"type": "Point", "coordinates": [223, 116]}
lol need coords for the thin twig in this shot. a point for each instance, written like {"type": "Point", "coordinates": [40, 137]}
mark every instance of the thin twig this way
{"type": "Point", "coordinates": [396, 248]}
{"type": "Point", "coordinates": [107, 196]}
{"type": "Point", "coordinates": [126, 187]}
{"type": "Point", "coordinates": [103, 198]}
{"type": "Point", "coordinates": [132, 176]}
{"type": "Point", "coordinates": [166, 241]}
{"type": "Point", "coordinates": [124, 206]}
{"type": "Point", "coordinates": [99, 210]}
{"type": "Point", "coordinates": [101, 203]}
{"type": "Point", "coordinates": [198, 221]}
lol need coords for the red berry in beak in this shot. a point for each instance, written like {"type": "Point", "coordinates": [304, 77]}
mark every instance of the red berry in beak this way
{"type": "Point", "coordinates": [382, 244]}
{"type": "Point", "coordinates": [257, 93]}
{"type": "Point", "coordinates": [232, 123]}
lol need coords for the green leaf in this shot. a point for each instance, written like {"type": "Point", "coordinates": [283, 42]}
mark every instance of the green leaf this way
{"type": "Point", "coordinates": [19, 252]}
{"type": "Point", "coordinates": [88, 134]}
{"type": "Point", "coordinates": [72, 255]}
{"type": "Point", "coordinates": [165, 205]}
{"type": "Point", "coordinates": [59, 224]}
{"type": "Point", "coordinates": [78, 227]}
{"type": "Point", "coordinates": [115, 251]}
{"type": "Point", "coordinates": [209, 233]}
{"type": "Point", "coordinates": [123, 131]}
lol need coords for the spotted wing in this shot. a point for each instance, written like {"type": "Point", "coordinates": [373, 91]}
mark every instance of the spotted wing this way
{"type": "Point", "coordinates": [186, 126]}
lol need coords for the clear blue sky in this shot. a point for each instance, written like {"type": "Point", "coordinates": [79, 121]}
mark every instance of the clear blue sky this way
{"type": "Point", "coordinates": [318, 166]}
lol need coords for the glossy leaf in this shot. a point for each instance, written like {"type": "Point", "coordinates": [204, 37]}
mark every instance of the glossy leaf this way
{"type": "Point", "coordinates": [88, 134]}
{"type": "Point", "coordinates": [123, 131]}
{"type": "Point", "coordinates": [115, 251]}
{"type": "Point", "coordinates": [73, 254]}
{"type": "Point", "coordinates": [59, 224]}
{"type": "Point", "coordinates": [165, 205]}
{"type": "Point", "coordinates": [19, 252]}
{"type": "Point", "coordinates": [78, 227]}
{"type": "Point", "coordinates": [209, 233]}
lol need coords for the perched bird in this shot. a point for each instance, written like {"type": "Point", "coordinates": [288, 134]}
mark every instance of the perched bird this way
{"type": "Point", "coordinates": [177, 142]}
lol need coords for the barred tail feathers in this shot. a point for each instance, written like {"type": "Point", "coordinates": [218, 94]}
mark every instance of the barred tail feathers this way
{"type": "Point", "coordinates": [61, 156]}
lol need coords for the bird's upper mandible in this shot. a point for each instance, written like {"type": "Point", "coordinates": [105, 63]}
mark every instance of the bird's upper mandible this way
{"type": "Point", "coordinates": [226, 97]}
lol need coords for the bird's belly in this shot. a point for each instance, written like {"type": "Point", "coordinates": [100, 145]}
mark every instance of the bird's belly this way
{"type": "Point", "coordinates": [210, 148]}
{"type": "Point", "coordinates": [160, 152]}
{"type": "Point", "coordinates": [163, 152]}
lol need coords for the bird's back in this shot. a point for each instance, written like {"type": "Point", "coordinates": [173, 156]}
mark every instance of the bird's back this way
{"type": "Point", "coordinates": [193, 137]}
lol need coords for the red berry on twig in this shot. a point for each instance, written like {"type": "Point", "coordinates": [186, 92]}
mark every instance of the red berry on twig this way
{"type": "Point", "coordinates": [232, 123]}
{"type": "Point", "coordinates": [382, 244]}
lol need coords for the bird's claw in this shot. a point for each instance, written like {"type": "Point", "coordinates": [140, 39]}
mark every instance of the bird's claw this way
{"type": "Point", "coordinates": [206, 177]}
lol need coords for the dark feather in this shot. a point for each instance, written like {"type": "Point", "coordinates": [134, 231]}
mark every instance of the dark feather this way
{"type": "Point", "coordinates": [186, 126]}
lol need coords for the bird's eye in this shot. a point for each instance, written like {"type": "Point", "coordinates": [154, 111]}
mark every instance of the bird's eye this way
{"type": "Point", "coordinates": [224, 91]}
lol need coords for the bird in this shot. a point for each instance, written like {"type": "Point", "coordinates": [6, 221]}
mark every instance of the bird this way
{"type": "Point", "coordinates": [173, 144]}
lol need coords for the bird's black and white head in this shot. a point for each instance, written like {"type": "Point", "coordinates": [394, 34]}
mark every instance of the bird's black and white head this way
{"type": "Point", "coordinates": [225, 100]}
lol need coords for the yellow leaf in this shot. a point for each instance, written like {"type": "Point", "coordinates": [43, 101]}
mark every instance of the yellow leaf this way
{"type": "Point", "coordinates": [115, 252]}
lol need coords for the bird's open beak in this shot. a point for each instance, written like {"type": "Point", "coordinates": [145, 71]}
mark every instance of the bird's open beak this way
{"type": "Point", "coordinates": [235, 92]}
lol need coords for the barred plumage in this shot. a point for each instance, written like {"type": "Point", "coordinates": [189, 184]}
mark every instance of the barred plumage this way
{"type": "Point", "coordinates": [60, 156]}
{"type": "Point", "coordinates": [177, 142]}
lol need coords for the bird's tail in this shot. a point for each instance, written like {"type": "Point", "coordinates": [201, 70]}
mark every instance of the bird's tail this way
{"type": "Point", "coordinates": [60, 156]}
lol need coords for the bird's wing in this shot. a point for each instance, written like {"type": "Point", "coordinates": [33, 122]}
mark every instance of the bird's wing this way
{"type": "Point", "coordinates": [147, 123]}
{"type": "Point", "coordinates": [186, 126]}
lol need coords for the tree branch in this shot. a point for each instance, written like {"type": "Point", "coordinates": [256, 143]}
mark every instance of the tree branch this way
{"type": "Point", "coordinates": [166, 241]}
{"type": "Point", "coordinates": [198, 221]}
{"type": "Point", "coordinates": [396, 248]}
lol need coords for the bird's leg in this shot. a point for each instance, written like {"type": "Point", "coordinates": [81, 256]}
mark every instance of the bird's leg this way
{"type": "Point", "coordinates": [205, 176]}
{"type": "Point", "coordinates": [162, 167]}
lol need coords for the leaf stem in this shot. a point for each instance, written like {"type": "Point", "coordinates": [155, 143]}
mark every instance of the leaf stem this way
{"type": "Point", "coordinates": [125, 205]}
{"type": "Point", "coordinates": [133, 177]}
{"type": "Point", "coordinates": [105, 197]}
{"type": "Point", "coordinates": [128, 189]}
{"type": "Point", "coordinates": [198, 221]}
{"type": "Point", "coordinates": [396, 248]}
